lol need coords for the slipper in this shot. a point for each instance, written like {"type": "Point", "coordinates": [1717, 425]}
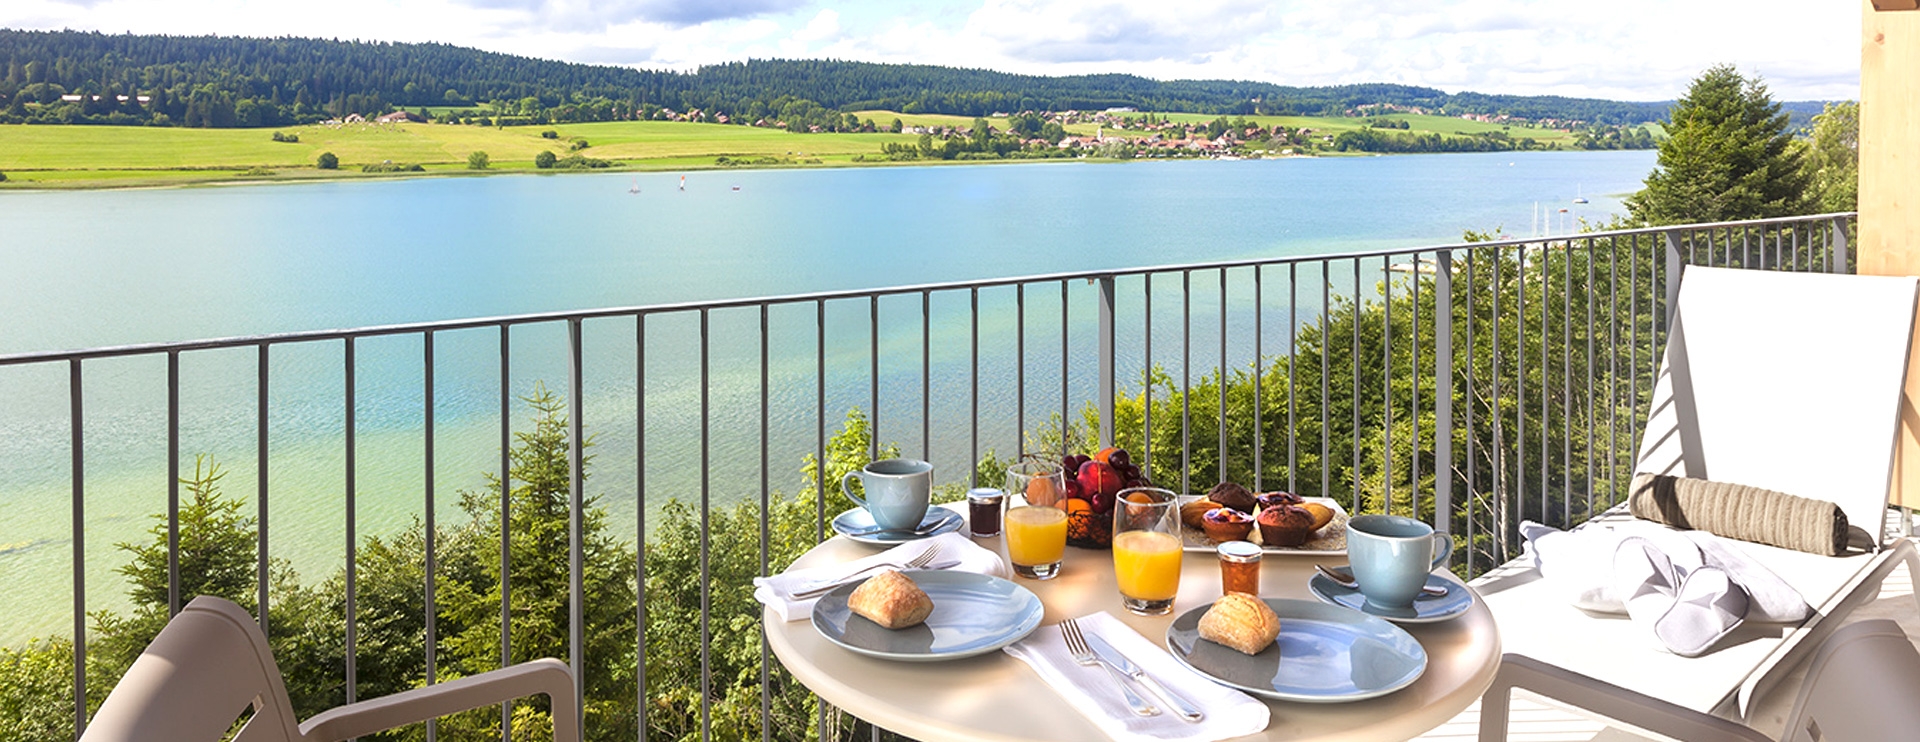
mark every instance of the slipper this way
{"type": "Point", "coordinates": [1708, 606]}
{"type": "Point", "coordinates": [1645, 579]}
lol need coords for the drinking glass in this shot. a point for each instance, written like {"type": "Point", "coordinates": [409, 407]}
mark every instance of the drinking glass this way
{"type": "Point", "coordinates": [1037, 530]}
{"type": "Point", "coordinates": [1039, 481]}
{"type": "Point", "coordinates": [1147, 549]}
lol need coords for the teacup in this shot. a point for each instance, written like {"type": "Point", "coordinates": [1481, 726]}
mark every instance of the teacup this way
{"type": "Point", "coordinates": [1391, 556]}
{"type": "Point", "coordinates": [897, 492]}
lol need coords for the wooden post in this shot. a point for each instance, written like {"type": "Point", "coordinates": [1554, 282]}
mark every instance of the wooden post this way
{"type": "Point", "coordinates": [1889, 237]}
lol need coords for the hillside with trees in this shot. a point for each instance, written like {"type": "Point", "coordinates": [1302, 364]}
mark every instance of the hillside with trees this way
{"type": "Point", "coordinates": [69, 77]}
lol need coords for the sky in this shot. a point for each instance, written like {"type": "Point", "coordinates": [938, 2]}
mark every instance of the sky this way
{"type": "Point", "coordinates": [1622, 50]}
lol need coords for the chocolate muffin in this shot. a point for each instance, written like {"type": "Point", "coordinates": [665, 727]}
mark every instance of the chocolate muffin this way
{"type": "Point", "coordinates": [1234, 496]}
{"type": "Point", "coordinates": [1271, 499]}
{"type": "Point", "coordinates": [1285, 525]}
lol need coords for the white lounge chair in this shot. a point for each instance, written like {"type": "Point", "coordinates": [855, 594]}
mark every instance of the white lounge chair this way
{"type": "Point", "coordinates": [211, 663]}
{"type": "Point", "coordinates": [1860, 686]}
{"type": "Point", "coordinates": [1789, 382]}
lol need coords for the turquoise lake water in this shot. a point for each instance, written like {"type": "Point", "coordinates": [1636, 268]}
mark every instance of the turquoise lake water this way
{"type": "Point", "coordinates": [88, 269]}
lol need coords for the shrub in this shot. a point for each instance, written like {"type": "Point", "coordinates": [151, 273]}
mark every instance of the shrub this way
{"type": "Point", "coordinates": [327, 161]}
{"type": "Point", "coordinates": [578, 162]}
{"type": "Point", "coordinates": [577, 143]}
{"type": "Point", "coordinates": [3, 177]}
{"type": "Point", "coordinates": [389, 166]}
{"type": "Point", "coordinates": [477, 161]}
{"type": "Point", "coordinates": [549, 134]}
{"type": "Point", "coordinates": [544, 160]}
{"type": "Point", "coordinates": [279, 137]}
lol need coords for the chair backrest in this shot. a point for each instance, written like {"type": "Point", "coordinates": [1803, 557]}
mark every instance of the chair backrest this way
{"type": "Point", "coordinates": [1861, 685]}
{"type": "Point", "coordinates": [198, 676]}
{"type": "Point", "coordinates": [1786, 381]}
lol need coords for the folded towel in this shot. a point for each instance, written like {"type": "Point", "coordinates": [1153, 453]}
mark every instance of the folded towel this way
{"type": "Point", "coordinates": [1229, 713]}
{"type": "Point", "coordinates": [957, 551]}
{"type": "Point", "coordinates": [1740, 512]}
{"type": "Point", "coordinates": [1580, 563]}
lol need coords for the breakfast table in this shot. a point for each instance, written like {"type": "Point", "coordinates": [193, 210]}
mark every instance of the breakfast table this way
{"type": "Point", "coordinates": [997, 697]}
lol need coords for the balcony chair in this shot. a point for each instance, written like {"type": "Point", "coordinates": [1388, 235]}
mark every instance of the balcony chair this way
{"type": "Point", "coordinates": [1860, 686]}
{"type": "Point", "coordinates": [1786, 381]}
{"type": "Point", "coordinates": [211, 663]}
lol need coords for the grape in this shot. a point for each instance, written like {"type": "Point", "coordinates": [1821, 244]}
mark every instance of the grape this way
{"type": "Point", "coordinates": [1120, 459]}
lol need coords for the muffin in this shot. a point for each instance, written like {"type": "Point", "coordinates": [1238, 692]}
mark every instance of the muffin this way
{"type": "Point", "coordinates": [1226, 524]}
{"type": "Point", "coordinates": [1285, 525]}
{"type": "Point", "coordinates": [1272, 499]}
{"type": "Point", "coordinates": [1231, 495]}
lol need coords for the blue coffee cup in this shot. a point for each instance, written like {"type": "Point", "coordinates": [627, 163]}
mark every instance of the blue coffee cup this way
{"type": "Point", "coordinates": [1391, 556]}
{"type": "Point", "coordinates": [897, 492]}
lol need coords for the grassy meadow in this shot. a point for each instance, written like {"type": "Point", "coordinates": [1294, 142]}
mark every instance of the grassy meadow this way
{"type": "Point", "coordinates": [122, 157]}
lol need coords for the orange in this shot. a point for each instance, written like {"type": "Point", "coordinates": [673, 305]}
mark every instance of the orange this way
{"type": "Point", "coordinates": [1077, 505]}
{"type": "Point", "coordinates": [1103, 454]}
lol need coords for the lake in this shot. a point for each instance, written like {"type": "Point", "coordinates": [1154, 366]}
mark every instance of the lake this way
{"type": "Point", "coordinates": [86, 269]}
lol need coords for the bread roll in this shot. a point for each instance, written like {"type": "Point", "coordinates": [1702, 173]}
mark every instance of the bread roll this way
{"type": "Point", "coordinates": [891, 600]}
{"type": "Point", "coordinates": [1240, 621]}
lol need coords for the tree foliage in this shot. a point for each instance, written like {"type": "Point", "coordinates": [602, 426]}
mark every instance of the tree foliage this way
{"type": "Point", "coordinates": [1833, 158]}
{"type": "Point", "coordinates": [1729, 156]}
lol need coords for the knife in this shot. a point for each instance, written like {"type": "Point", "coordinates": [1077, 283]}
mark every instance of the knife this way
{"type": "Point", "coordinates": [1115, 658]}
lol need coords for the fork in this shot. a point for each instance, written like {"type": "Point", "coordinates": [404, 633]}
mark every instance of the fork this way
{"type": "Point", "coordinates": [925, 558]}
{"type": "Point", "coordinates": [1077, 644]}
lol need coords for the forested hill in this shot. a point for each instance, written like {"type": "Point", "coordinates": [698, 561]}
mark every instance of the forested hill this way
{"type": "Point", "coordinates": [237, 81]}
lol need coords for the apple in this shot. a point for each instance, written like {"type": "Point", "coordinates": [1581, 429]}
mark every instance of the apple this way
{"type": "Point", "coordinates": [1100, 477]}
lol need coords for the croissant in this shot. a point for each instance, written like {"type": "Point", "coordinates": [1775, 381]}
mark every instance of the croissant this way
{"type": "Point", "coordinates": [1240, 621]}
{"type": "Point", "coordinates": [891, 600]}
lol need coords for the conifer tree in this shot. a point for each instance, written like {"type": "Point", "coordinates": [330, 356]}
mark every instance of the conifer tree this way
{"type": "Point", "coordinates": [1730, 157]}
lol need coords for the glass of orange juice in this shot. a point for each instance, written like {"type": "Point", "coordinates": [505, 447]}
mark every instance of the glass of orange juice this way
{"type": "Point", "coordinates": [1147, 549]}
{"type": "Point", "coordinates": [1036, 540]}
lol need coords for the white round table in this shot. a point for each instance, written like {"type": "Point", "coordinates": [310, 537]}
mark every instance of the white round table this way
{"type": "Point", "coordinates": [996, 697]}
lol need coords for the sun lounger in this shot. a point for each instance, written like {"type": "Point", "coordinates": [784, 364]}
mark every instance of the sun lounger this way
{"type": "Point", "coordinates": [1790, 382]}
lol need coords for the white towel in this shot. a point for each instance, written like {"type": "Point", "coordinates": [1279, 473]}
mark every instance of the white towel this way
{"type": "Point", "coordinates": [1089, 690]}
{"type": "Point", "coordinates": [777, 591]}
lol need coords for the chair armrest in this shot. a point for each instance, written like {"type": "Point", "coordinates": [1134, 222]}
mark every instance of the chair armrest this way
{"type": "Point", "coordinates": [1608, 700]}
{"type": "Point", "coordinates": [547, 677]}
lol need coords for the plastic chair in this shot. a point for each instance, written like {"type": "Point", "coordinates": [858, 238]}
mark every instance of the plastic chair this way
{"type": "Point", "coordinates": [1860, 686]}
{"type": "Point", "coordinates": [211, 663]}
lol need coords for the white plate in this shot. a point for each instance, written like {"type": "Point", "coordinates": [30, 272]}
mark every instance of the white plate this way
{"type": "Point", "coordinates": [1324, 654]}
{"type": "Point", "coordinates": [1425, 609]}
{"type": "Point", "coordinates": [1330, 540]}
{"type": "Point", "coordinates": [855, 523]}
{"type": "Point", "coordinates": [972, 614]}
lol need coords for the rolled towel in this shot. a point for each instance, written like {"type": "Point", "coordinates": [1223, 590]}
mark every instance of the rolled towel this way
{"type": "Point", "coordinates": [1741, 512]}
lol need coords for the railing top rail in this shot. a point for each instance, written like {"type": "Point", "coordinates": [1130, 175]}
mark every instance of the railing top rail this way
{"type": "Point", "coordinates": [243, 341]}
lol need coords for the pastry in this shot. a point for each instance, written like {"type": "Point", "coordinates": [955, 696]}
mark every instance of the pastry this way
{"type": "Point", "coordinates": [1285, 525]}
{"type": "Point", "coordinates": [1231, 495]}
{"type": "Point", "coordinates": [1271, 499]}
{"type": "Point", "coordinates": [891, 600]}
{"type": "Point", "coordinates": [1226, 524]}
{"type": "Point", "coordinates": [1191, 513]}
{"type": "Point", "coordinates": [1240, 621]}
{"type": "Point", "coordinates": [1322, 515]}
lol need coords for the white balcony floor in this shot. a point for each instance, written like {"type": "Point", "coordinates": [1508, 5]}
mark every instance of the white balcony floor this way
{"type": "Point", "coordinates": [1536, 720]}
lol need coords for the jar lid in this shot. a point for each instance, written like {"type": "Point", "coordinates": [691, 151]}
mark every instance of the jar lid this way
{"type": "Point", "coordinates": [1240, 551]}
{"type": "Point", "coordinates": [987, 495]}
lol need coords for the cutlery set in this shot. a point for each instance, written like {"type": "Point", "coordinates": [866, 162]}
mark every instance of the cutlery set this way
{"type": "Point", "coordinates": [1093, 650]}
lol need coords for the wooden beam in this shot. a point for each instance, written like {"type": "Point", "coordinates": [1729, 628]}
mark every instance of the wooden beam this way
{"type": "Point", "coordinates": [1889, 228]}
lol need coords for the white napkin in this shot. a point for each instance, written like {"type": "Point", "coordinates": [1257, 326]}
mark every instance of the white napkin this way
{"type": "Point", "coordinates": [1229, 713]}
{"type": "Point", "coordinates": [777, 591]}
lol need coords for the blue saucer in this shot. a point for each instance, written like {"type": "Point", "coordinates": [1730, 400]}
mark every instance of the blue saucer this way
{"type": "Point", "coordinates": [855, 523]}
{"type": "Point", "coordinates": [1425, 609]}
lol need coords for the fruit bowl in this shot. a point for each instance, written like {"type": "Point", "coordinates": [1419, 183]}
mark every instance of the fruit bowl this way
{"type": "Point", "coordinates": [1089, 530]}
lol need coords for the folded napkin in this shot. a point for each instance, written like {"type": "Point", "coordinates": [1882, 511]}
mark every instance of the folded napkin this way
{"type": "Point", "coordinates": [777, 591]}
{"type": "Point", "coordinates": [1229, 713]}
{"type": "Point", "coordinates": [1741, 512]}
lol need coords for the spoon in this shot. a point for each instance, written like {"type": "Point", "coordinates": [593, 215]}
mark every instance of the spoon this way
{"type": "Point", "coordinates": [1345, 579]}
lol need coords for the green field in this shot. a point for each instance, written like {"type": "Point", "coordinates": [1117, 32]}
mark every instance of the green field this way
{"type": "Point", "coordinates": [120, 157]}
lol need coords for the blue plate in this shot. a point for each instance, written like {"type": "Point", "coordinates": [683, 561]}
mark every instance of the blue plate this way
{"type": "Point", "coordinates": [856, 524]}
{"type": "Point", "coordinates": [972, 614]}
{"type": "Point", "coordinates": [1425, 609]}
{"type": "Point", "coordinates": [1324, 654]}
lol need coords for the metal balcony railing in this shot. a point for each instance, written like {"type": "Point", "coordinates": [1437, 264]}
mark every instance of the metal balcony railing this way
{"type": "Point", "coordinates": [1472, 384]}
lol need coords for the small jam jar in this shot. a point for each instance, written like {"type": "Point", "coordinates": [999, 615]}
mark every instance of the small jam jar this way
{"type": "Point", "coordinates": [984, 506]}
{"type": "Point", "coordinates": [1240, 567]}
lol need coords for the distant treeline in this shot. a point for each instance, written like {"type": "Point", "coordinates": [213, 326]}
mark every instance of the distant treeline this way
{"type": "Point", "coordinates": [212, 81]}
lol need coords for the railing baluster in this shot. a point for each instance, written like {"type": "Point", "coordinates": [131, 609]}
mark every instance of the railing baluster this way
{"type": "Point", "coordinates": [173, 484]}
{"type": "Point", "coordinates": [1443, 391]}
{"type": "Point", "coordinates": [1519, 393]}
{"type": "Point", "coordinates": [78, 451]}
{"type": "Point", "coordinates": [1105, 356]}
{"type": "Point", "coordinates": [1413, 406]}
{"type": "Point", "coordinates": [353, 539]}
{"type": "Point", "coordinates": [1259, 401]}
{"type": "Point", "coordinates": [1066, 353]}
{"type": "Point", "coordinates": [926, 375]}
{"type": "Point", "coordinates": [1386, 383]}
{"type": "Point", "coordinates": [640, 520]}
{"type": "Point", "coordinates": [576, 527]}
{"type": "Point", "coordinates": [1221, 425]}
{"type": "Point", "coordinates": [1186, 380]}
{"type": "Point", "coordinates": [1353, 359]}
{"type": "Point", "coordinates": [1326, 337]}
{"type": "Point", "coordinates": [432, 617]}
{"type": "Point", "coordinates": [1019, 369]}
{"type": "Point", "coordinates": [260, 494]}
{"type": "Point", "coordinates": [1146, 374]}
{"type": "Point", "coordinates": [506, 534]}
{"type": "Point", "coordinates": [973, 395]}
{"type": "Point", "coordinates": [766, 536]}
